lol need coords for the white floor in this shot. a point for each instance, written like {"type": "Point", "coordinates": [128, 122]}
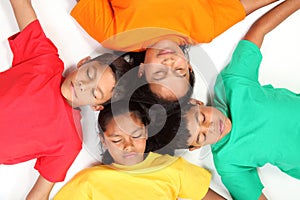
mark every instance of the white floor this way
{"type": "Point", "coordinates": [280, 67]}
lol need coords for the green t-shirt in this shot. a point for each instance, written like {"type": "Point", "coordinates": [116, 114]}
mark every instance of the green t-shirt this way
{"type": "Point", "coordinates": [265, 125]}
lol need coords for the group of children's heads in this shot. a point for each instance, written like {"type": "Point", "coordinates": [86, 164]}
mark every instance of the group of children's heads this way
{"type": "Point", "coordinates": [163, 66]}
{"type": "Point", "coordinates": [160, 75]}
{"type": "Point", "coordinates": [129, 130]}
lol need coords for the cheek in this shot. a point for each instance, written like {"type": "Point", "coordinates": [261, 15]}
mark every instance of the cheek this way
{"type": "Point", "coordinates": [150, 56]}
{"type": "Point", "coordinates": [191, 141]}
{"type": "Point", "coordinates": [140, 146]}
{"type": "Point", "coordinates": [114, 148]}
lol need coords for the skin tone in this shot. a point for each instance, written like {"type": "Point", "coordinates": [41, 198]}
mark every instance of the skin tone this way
{"type": "Point", "coordinates": [267, 23]}
{"type": "Point", "coordinates": [166, 70]}
{"type": "Point", "coordinates": [25, 14]}
{"type": "Point", "coordinates": [126, 142]}
{"type": "Point", "coordinates": [125, 139]}
{"type": "Point", "coordinates": [90, 84]}
{"type": "Point", "coordinates": [207, 125]}
{"type": "Point", "coordinates": [256, 34]}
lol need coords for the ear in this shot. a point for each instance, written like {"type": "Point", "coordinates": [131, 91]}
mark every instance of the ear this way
{"type": "Point", "coordinates": [190, 67]}
{"type": "Point", "coordinates": [141, 70]}
{"type": "Point", "coordinates": [102, 140]}
{"type": "Point", "coordinates": [195, 102]}
{"type": "Point", "coordinates": [82, 61]}
{"type": "Point", "coordinates": [194, 148]}
{"type": "Point", "coordinates": [146, 133]}
{"type": "Point", "coordinates": [97, 107]}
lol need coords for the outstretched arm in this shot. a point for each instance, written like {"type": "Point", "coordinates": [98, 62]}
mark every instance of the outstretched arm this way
{"type": "Point", "coordinates": [24, 12]}
{"type": "Point", "coordinates": [212, 195]}
{"type": "Point", "coordinates": [270, 20]}
{"type": "Point", "coordinates": [40, 190]}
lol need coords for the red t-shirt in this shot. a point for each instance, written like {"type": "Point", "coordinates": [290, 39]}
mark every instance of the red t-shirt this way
{"type": "Point", "coordinates": [35, 119]}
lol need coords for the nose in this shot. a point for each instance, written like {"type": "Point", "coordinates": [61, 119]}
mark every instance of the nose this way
{"type": "Point", "coordinates": [206, 127]}
{"type": "Point", "coordinates": [128, 145]}
{"type": "Point", "coordinates": [84, 85]}
{"type": "Point", "coordinates": [169, 61]}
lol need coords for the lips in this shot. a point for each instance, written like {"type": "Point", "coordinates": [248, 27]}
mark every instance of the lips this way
{"type": "Point", "coordinates": [222, 127]}
{"type": "Point", "coordinates": [129, 155]}
{"type": "Point", "coordinates": [165, 51]}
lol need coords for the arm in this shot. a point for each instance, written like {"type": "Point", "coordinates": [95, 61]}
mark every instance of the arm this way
{"type": "Point", "coordinates": [40, 190]}
{"type": "Point", "coordinates": [212, 195]}
{"type": "Point", "coordinates": [270, 20]}
{"type": "Point", "coordinates": [262, 197]}
{"type": "Point", "coordinates": [24, 12]}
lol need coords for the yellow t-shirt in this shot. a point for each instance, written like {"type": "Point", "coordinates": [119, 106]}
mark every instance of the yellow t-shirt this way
{"type": "Point", "coordinates": [128, 25]}
{"type": "Point", "coordinates": [157, 177]}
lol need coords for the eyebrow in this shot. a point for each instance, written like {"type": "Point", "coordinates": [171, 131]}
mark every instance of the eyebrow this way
{"type": "Point", "coordinates": [197, 120]}
{"type": "Point", "coordinates": [136, 130]}
{"type": "Point", "coordinates": [178, 75]}
{"type": "Point", "coordinates": [196, 115]}
{"type": "Point", "coordinates": [198, 139]}
{"type": "Point", "coordinates": [117, 135]}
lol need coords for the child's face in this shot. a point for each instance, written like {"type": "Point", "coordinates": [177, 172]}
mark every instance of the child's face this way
{"type": "Point", "coordinates": [206, 124]}
{"type": "Point", "coordinates": [91, 84]}
{"type": "Point", "coordinates": [165, 66]}
{"type": "Point", "coordinates": [125, 139]}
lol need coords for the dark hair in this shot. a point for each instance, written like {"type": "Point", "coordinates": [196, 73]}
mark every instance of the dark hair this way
{"type": "Point", "coordinates": [118, 65]}
{"type": "Point", "coordinates": [115, 109]}
{"type": "Point", "coordinates": [143, 94]}
{"type": "Point", "coordinates": [141, 90]}
{"type": "Point", "coordinates": [174, 135]}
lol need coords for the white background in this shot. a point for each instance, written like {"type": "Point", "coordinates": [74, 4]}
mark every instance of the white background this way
{"type": "Point", "coordinates": [280, 67]}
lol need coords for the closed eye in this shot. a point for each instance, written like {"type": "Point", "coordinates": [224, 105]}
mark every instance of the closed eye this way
{"type": "Point", "coordinates": [180, 72]}
{"type": "Point", "coordinates": [137, 136]}
{"type": "Point", "coordinates": [91, 73]}
{"type": "Point", "coordinates": [203, 117]}
{"type": "Point", "coordinates": [97, 93]}
{"type": "Point", "coordinates": [159, 75]}
{"type": "Point", "coordinates": [116, 139]}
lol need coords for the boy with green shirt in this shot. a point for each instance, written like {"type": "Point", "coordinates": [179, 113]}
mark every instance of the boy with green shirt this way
{"type": "Point", "coordinates": [251, 125]}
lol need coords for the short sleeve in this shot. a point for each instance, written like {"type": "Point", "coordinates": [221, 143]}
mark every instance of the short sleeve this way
{"type": "Point", "coordinates": [245, 185]}
{"type": "Point", "coordinates": [95, 17]}
{"type": "Point", "coordinates": [30, 43]}
{"type": "Point", "coordinates": [195, 181]}
{"type": "Point", "coordinates": [54, 168]}
{"type": "Point", "coordinates": [245, 61]}
{"type": "Point", "coordinates": [77, 188]}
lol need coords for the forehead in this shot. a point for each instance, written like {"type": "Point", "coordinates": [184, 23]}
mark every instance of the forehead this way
{"type": "Point", "coordinates": [191, 117]}
{"type": "Point", "coordinates": [94, 64]}
{"type": "Point", "coordinates": [126, 123]}
{"type": "Point", "coordinates": [170, 88]}
{"type": "Point", "coordinates": [192, 112]}
{"type": "Point", "coordinates": [162, 44]}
